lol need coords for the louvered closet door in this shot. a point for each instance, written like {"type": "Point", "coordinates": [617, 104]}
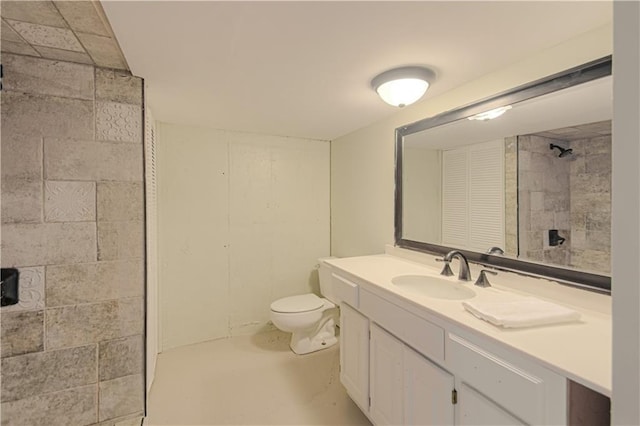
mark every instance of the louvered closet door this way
{"type": "Point", "coordinates": [473, 196]}
{"type": "Point", "coordinates": [454, 198]}
{"type": "Point", "coordinates": [486, 195]}
{"type": "Point", "coordinates": [151, 210]}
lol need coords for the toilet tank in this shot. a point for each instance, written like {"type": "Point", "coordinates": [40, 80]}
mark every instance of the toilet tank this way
{"type": "Point", "coordinates": [324, 275]}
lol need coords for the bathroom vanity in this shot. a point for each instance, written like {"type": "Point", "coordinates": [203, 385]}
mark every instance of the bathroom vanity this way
{"type": "Point", "coordinates": [411, 358]}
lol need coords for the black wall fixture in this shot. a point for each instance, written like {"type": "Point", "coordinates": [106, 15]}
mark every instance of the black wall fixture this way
{"type": "Point", "coordinates": [9, 287]}
{"type": "Point", "coordinates": [554, 238]}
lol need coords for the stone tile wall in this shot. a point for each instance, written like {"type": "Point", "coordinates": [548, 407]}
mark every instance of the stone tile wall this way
{"type": "Point", "coordinates": [591, 204]}
{"type": "Point", "coordinates": [511, 195]}
{"type": "Point", "coordinates": [571, 194]}
{"type": "Point", "coordinates": [544, 200]}
{"type": "Point", "coordinates": [73, 224]}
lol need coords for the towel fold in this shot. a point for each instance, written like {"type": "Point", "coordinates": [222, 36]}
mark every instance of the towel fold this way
{"type": "Point", "coordinates": [520, 312]}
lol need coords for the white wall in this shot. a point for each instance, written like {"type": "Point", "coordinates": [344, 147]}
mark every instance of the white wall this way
{"type": "Point", "coordinates": [625, 253]}
{"type": "Point", "coordinates": [422, 184]}
{"type": "Point", "coordinates": [242, 220]}
{"type": "Point", "coordinates": [362, 163]}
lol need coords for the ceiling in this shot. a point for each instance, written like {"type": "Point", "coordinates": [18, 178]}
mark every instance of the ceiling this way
{"type": "Point", "coordinates": [303, 69]}
{"type": "Point", "coordinates": [73, 31]}
{"type": "Point", "coordinates": [577, 112]}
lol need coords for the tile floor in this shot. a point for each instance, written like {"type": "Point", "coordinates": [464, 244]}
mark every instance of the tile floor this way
{"type": "Point", "coordinates": [250, 380]}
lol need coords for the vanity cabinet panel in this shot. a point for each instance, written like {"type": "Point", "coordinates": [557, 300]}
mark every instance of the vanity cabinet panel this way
{"type": "Point", "coordinates": [345, 290]}
{"type": "Point", "coordinates": [422, 335]}
{"type": "Point", "coordinates": [354, 355]}
{"type": "Point", "coordinates": [532, 393]}
{"type": "Point", "coordinates": [427, 391]}
{"type": "Point", "coordinates": [395, 367]}
{"type": "Point", "coordinates": [476, 410]}
{"type": "Point", "coordinates": [386, 374]}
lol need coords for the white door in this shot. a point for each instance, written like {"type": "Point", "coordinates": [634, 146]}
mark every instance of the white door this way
{"type": "Point", "coordinates": [477, 410]}
{"type": "Point", "coordinates": [354, 355]}
{"type": "Point", "coordinates": [387, 373]}
{"type": "Point", "coordinates": [428, 392]}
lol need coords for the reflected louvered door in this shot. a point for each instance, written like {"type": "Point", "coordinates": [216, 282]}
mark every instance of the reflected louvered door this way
{"type": "Point", "coordinates": [473, 196]}
{"type": "Point", "coordinates": [454, 198]}
{"type": "Point", "coordinates": [486, 196]}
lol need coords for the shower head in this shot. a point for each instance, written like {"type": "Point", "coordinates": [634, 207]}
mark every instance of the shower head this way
{"type": "Point", "coordinates": [564, 152]}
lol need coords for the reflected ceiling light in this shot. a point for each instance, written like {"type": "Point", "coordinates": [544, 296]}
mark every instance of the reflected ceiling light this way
{"type": "Point", "coordinates": [402, 86]}
{"type": "Point", "coordinates": [491, 114]}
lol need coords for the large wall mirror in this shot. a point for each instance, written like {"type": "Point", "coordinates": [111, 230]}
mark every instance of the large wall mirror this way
{"type": "Point", "coordinates": [527, 171]}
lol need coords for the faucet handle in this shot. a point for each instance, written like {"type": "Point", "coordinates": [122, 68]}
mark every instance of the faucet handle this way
{"type": "Point", "coordinates": [482, 280]}
{"type": "Point", "coordinates": [446, 270]}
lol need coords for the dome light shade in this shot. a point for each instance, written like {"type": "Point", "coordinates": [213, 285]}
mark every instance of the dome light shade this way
{"type": "Point", "coordinates": [402, 86]}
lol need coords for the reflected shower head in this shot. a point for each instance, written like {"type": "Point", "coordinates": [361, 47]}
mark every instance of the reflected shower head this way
{"type": "Point", "coordinates": [564, 152]}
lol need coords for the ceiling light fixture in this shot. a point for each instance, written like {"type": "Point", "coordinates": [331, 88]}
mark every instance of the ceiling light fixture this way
{"type": "Point", "coordinates": [491, 114]}
{"type": "Point", "coordinates": [402, 86]}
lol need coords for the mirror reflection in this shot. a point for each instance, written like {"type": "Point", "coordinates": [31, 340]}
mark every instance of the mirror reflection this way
{"type": "Point", "coordinates": [534, 181]}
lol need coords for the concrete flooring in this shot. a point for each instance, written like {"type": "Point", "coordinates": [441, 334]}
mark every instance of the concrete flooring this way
{"type": "Point", "coordinates": [250, 380]}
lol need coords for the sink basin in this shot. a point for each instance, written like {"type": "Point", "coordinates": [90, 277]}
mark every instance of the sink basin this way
{"type": "Point", "coordinates": [435, 287]}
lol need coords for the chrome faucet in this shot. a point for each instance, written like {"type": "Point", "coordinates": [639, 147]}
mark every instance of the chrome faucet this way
{"type": "Point", "coordinates": [495, 250]}
{"type": "Point", "coordinates": [464, 274]}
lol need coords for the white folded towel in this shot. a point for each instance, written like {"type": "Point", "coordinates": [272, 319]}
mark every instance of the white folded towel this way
{"type": "Point", "coordinates": [520, 312]}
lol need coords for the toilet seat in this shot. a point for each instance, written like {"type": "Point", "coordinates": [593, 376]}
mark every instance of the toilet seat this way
{"type": "Point", "coordinates": [297, 304]}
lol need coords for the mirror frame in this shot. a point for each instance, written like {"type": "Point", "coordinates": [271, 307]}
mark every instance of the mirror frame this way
{"type": "Point", "coordinates": [581, 74]}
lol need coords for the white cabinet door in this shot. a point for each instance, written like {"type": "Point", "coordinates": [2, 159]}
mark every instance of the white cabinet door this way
{"type": "Point", "coordinates": [428, 390]}
{"type": "Point", "coordinates": [477, 410]}
{"type": "Point", "coordinates": [387, 374]}
{"type": "Point", "coordinates": [354, 355]}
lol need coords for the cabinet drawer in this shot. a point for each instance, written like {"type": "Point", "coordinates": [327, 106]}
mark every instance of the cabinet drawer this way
{"type": "Point", "coordinates": [423, 336]}
{"type": "Point", "coordinates": [520, 391]}
{"type": "Point", "coordinates": [345, 290]}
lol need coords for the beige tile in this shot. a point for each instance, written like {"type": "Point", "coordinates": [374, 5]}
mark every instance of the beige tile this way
{"type": "Point", "coordinates": [94, 282]}
{"type": "Point", "coordinates": [121, 396]}
{"type": "Point", "coordinates": [51, 371]}
{"type": "Point", "coordinates": [47, 77]}
{"type": "Point", "coordinates": [8, 34]}
{"type": "Point", "coordinates": [92, 323]}
{"type": "Point", "coordinates": [37, 12]}
{"type": "Point", "coordinates": [77, 406]}
{"type": "Point", "coordinates": [47, 244]}
{"type": "Point", "coordinates": [118, 122]}
{"type": "Point", "coordinates": [121, 357]}
{"type": "Point", "coordinates": [69, 201]}
{"type": "Point", "coordinates": [19, 48]}
{"type": "Point", "coordinates": [104, 51]}
{"type": "Point", "coordinates": [82, 16]}
{"type": "Point", "coordinates": [32, 291]}
{"type": "Point", "coordinates": [42, 35]}
{"type": "Point", "coordinates": [64, 55]}
{"type": "Point", "coordinates": [21, 200]}
{"type": "Point", "coordinates": [22, 332]}
{"type": "Point", "coordinates": [120, 240]}
{"type": "Point", "coordinates": [56, 117]}
{"type": "Point", "coordinates": [21, 157]}
{"type": "Point", "coordinates": [118, 86]}
{"type": "Point", "coordinates": [120, 201]}
{"type": "Point", "coordinates": [67, 159]}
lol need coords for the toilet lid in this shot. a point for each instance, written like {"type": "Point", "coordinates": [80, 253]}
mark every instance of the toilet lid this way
{"type": "Point", "coordinates": [301, 303]}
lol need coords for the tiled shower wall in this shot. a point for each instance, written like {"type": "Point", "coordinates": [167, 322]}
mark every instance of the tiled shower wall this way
{"type": "Point", "coordinates": [571, 194]}
{"type": "Point", "coordinates": [591, 204]}
{"type": "Point", "coordinates": [73, 224]}
{"type": "Point", "coordinates": [544, 200]}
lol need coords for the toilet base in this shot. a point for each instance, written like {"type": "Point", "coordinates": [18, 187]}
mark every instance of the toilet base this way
{"type": "Point", "coordinates": [322, 337]}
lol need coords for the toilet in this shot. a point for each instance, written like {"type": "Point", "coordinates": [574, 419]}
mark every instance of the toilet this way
{"type": "Point", "coordinates": [310, 318]}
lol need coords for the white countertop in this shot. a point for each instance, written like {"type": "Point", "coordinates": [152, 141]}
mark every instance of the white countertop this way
{"type": "Point", "coordinates": [580, 351]}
